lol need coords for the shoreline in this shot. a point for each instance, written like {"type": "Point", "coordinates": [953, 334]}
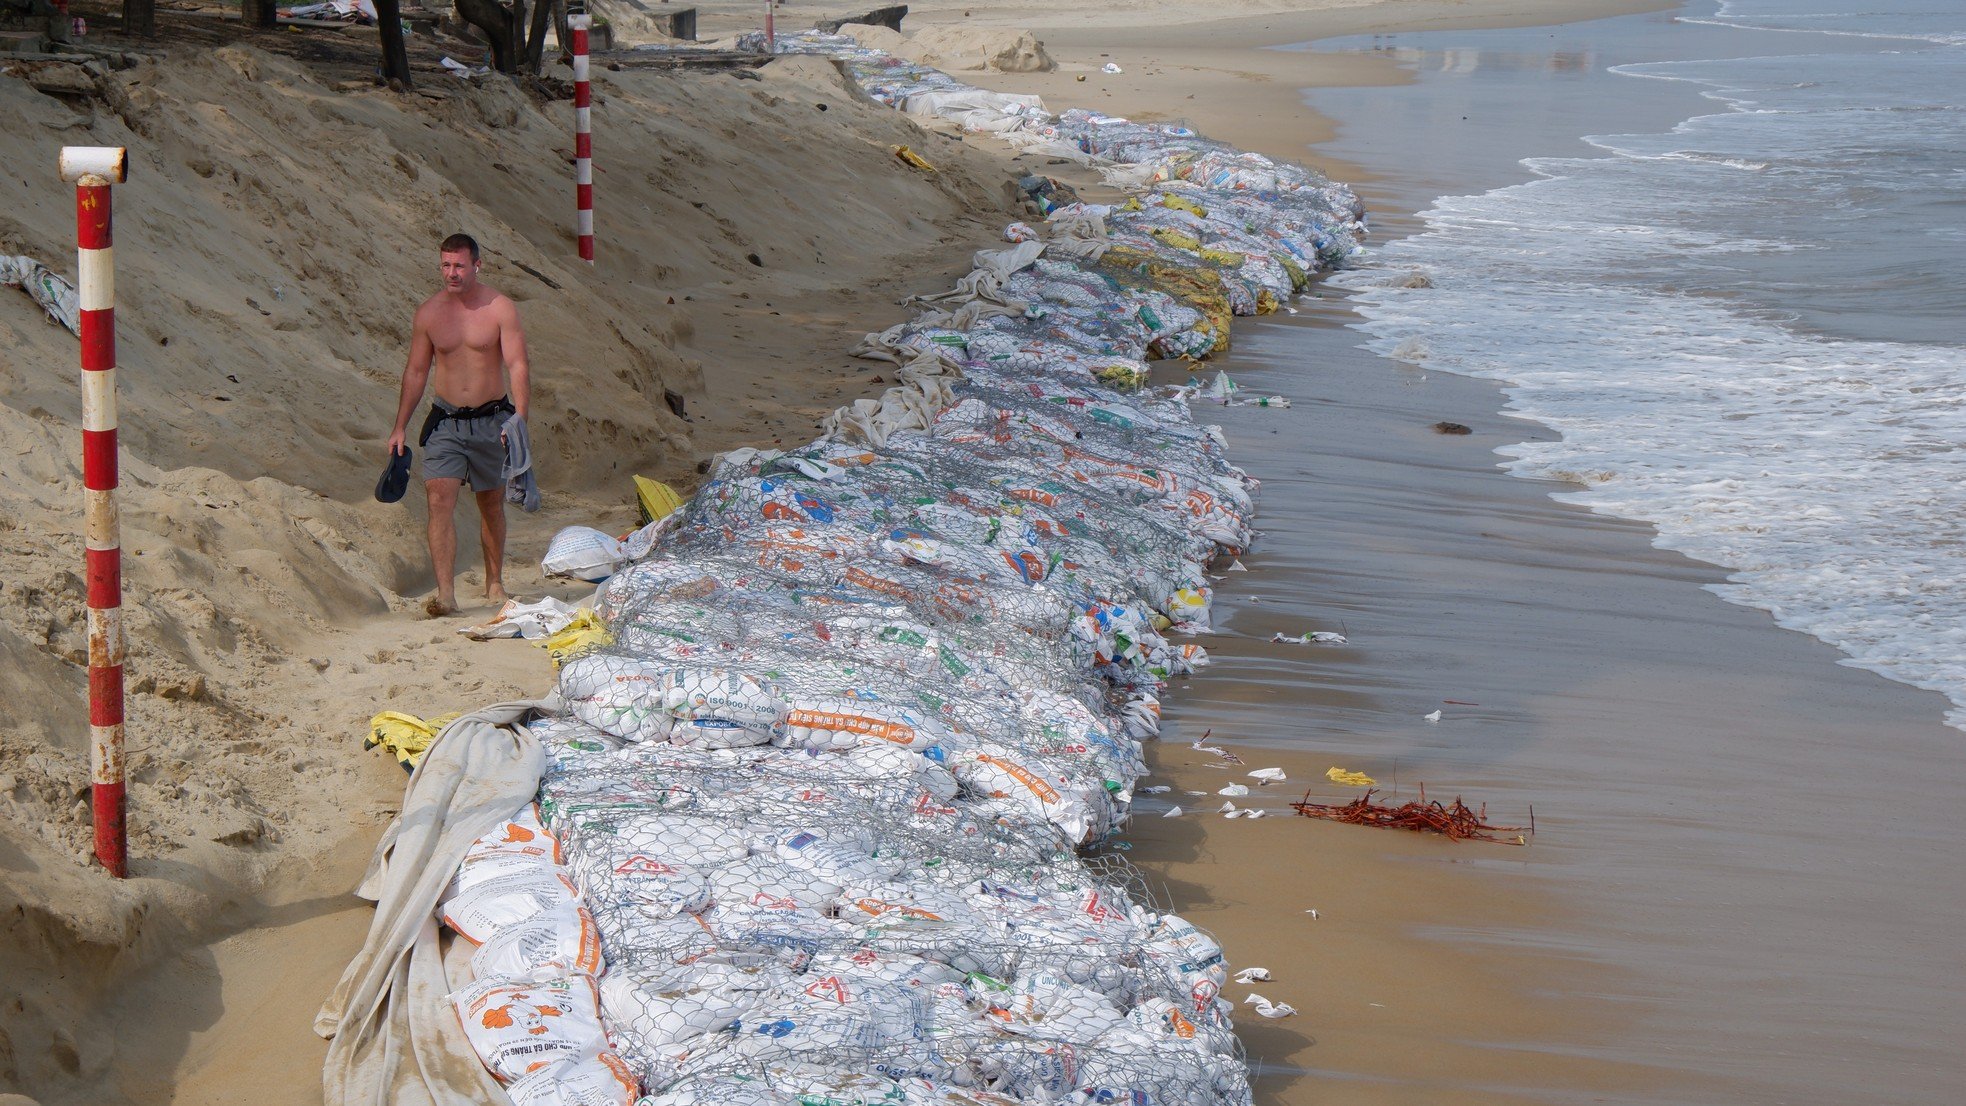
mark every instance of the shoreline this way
{"type": "Point", "coordinates": [1667, 682]}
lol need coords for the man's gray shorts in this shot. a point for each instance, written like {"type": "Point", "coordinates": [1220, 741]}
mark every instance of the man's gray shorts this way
{"type": "Point", "coordinates": [466, 449]}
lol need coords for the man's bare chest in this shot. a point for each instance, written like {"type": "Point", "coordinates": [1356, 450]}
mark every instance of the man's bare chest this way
{"type": "Point", "coordinates": [464, 329]}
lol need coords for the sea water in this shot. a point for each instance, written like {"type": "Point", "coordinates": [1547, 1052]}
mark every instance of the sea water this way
{"type": "Point", "coordinates": [1747, 328]}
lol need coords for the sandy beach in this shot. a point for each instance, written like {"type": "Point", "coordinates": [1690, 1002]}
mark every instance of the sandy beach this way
{"type": "Point", "coordinates": [749, 237]}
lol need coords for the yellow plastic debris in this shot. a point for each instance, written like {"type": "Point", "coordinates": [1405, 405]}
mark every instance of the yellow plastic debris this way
{"type": "Point", "coordinates": [1175, 238]}
{"type": "Point", "coordinates": [912, 158]}
{"type": "Point", "coordinates": [1182, 203]}
{"type": "Point", "coordinates": [586, 631]}
{"type": "Point", "coordinates": [1349, 779]}
{"type": "Point", "coordinates": [406, 736]}
{"type": "Point", "coordinates": [658, 500]}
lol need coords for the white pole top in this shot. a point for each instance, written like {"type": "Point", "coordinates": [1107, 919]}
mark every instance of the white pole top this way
{"type": "Point", "coordinates": [112, 163]}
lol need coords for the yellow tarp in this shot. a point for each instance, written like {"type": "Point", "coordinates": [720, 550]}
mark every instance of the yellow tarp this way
{"type": "Point", "coordinates": [1176, 239]}
{"type": "Point", "coordinates": [657, 499]}
{"type": "Point", "coordinates": [1182, 203]}
{"type": "Point", "coordinates": [405, 735]}
{"type": "Point", "coordinates": [1198, 286]}
{"type": "Point", "coordinates": [585, 632]}
{"type": "Point", "coordinates": [912, 158]}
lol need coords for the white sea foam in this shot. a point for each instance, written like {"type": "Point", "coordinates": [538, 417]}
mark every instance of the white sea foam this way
{"type": "Point", "coordinates": [1650, 306]}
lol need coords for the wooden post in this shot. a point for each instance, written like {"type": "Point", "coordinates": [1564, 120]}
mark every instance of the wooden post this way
{"type": "Point", "coordinates": [93, 169]}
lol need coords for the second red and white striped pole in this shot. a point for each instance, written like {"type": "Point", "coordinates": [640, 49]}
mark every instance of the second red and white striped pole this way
{"type": "Point", "coordinates": [578, 22]}
{"type": "Point", "coordinates": [94, 169]}
{"type": "Point", "coordinates": [771, 39]}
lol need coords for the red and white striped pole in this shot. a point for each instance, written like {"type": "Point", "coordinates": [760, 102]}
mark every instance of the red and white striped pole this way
{"type": "Point", "coordinates": [93, 169]}
{"type": "Point", "coordinates": [578, 21]}
{"type": "Point", "coordinates": [771, 40]}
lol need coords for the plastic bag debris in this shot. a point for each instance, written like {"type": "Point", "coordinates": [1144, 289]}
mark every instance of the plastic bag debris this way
{"type": "Point", "coordinates": [1313, 637]}
{"type": "Point", "coordinates": [1349, 778]}
{"type": "Point", "coordinates": [1268, 775]}
{"type": "Point", "coordinates": [520, 619]}
{"type": "Point", "coordinates": [405, 736]}
{"type": "Point", "coordinates": [1253, 975]}
{"type": "Point", "coordinates": [1270, 1009]}
{"type": "Point", "coordinates": [55, 294]}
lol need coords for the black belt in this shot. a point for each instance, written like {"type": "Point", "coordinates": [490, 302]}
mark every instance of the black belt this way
{"type": "Point", "coordinates": [500, 406]}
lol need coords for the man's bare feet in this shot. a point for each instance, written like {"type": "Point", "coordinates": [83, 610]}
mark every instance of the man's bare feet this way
{"type": "Point", "coordinates": [496, 596]}
{"type": "Point", "coordinates": [437, 607]}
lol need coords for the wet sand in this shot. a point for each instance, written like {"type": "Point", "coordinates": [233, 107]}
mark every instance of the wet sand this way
{"type": "Point", "coordinates": [1737, 887]}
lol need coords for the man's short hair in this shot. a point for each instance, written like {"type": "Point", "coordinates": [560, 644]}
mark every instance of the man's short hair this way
{"type": "Point", "coordinates": [458, 242]}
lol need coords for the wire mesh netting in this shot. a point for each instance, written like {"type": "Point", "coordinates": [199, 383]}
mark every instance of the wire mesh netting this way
{"type": "Point", "coordinates": [822, 798]}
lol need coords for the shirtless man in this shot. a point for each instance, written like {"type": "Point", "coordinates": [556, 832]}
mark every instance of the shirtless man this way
{"type": "Point", "coordinates": [471, 334]}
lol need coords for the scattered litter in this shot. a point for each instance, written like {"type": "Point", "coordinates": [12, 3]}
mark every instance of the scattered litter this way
{"type": "Point", "coordinates": [585, 631]}
{"type": "Point", "coordinates": [1433, 716]}
{"type": "Point", "coordinates": [405, 736]}
{"type": "Point", "coordinates": [1237, 566]}
{"type": "Point", "coordinates": [1172, 812]}
{"type": "Point", "coordinates": [1157, 789]}
{"type": "Point", "coordinates": [1253, 975]}
{"type": "Point", "coordinates": [1235, 790]}
{"type": "Point", "coordinates": [1268, 775]}
{"type": "Point", "coordinates": [585, 553]}
{"type": "Point", "coordinates": [55, 295]}
{"type": "Point", "coordinates": [1110, 67]}
{"type": "Point", "coordinates": [1270, 1009]}
{"type": "Point", "coordinates": [1226, 808]}
{"type": "Point", "coordinates": [1313, 637]}
{"type": "Point", "coordinates": [1313, 913]}
{"type": "Point", "coordinates": [1456, 822]}
{"type": "Point", "coordinates": [912, 158]}
{"type": "Point", "coordinates": [1349, 778]}
{"type": "Point", "coordinates": [462, 70]}
{"type": "Point", "coordinates": [1224, 391]}
{"type": "Point", "coordinates": [520, 619]}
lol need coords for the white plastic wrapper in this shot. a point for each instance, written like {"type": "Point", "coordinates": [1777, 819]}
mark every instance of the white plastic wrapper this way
{"type": "Point", "coordinates": [822, 722]}
{"type": "Point", "coordinates": [519, 1028]}
{"type": "Point", "coordinates": [601, 1080]}
{"type": "Point", "coordinates": [621, 696]}
{"type": "Point", "coordinates": [1053, 1009]}
{"type": "Point", "coordinates": [813, 854]}
{"type": "Point", "coordinates": [643, 880]}
{"type": "Point", "coordinates": [1002, 773]}
{"type": "Point", "coordinates": [885, 967]}
{"type": "Point", "coordinates": [829, 1015]}
{"type": "Point", "coordinates": [493, 905]}
{"type": "Point", "coordinates": [558, 942]}
{"type": "Point", "coordinates": [676, 839]}
{"type": "Point", "coordinates": [583, 553]}
{"type": "Point", "coordinates": [771, 883]}
{"type": "Point", "coordinates": [518, 846]}
{"type": "Point", "coordinates": [656, 1017]}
